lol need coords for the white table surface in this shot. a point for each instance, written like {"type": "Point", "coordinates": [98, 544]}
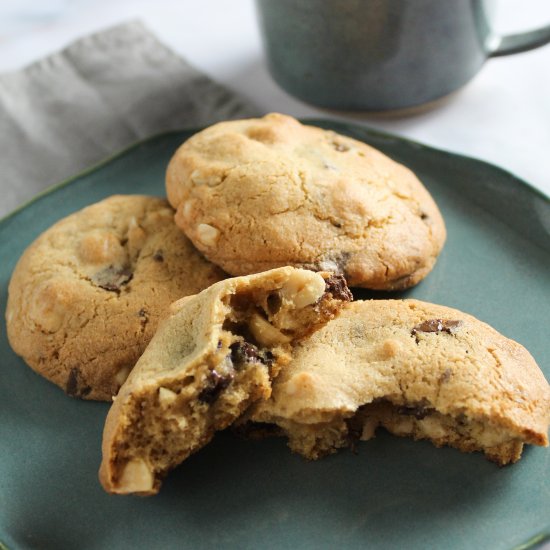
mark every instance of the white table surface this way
{"type": "Point", "coordinates": [502, 116]}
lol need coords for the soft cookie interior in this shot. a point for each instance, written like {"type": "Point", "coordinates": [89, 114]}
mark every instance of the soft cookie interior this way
{"type": "Point", "coordinates": [235, 338]}
{"type": "Point", "coordinates": [416, 420]}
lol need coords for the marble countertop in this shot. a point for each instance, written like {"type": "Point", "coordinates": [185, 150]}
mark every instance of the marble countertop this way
{"type": "Point", "coordinates": [502, 116]}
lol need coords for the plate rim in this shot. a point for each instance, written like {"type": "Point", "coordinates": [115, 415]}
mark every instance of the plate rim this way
{"type": "Point", "coordinates": [539, 537]}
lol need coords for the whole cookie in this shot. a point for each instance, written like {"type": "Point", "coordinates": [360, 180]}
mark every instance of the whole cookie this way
{"type": "Point", "coordinates": [417, 369]}
{"type": "Point", "coordinates": [86, 297]}
{"type": "Point", "coordinates": [215, 355]}
{"type": "Point", "coordinates": [261, 193]}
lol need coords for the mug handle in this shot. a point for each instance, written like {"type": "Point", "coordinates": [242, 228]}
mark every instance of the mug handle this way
{"type": "Point", "coordinates": [515, 43]}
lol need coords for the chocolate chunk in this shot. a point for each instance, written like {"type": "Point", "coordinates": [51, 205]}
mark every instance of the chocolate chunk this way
{"type": "Point", "coordinates": [437, 325]}
{"type": "Point", "coordinates": [73, 387]}
{"type": "Point", "coordinates": [274, 302]}
{"type": "Point", "coordinates": [158, 256]}
{"type": "Point", "coordinates": [112, 278]}
{"type": "Point", "coordinates": [267, 358]}
{"type": "Point", "coordinates": [419, 411]}
{"type": "Point", "coordinates": [243, 353]}
{"type": "Point", "coordinates": [424, 216]}
{"type": "Point", "coordinates": [216, 384]}
{"type": "Point", "coordinates": [72, 382]}
{"type": "Point", "coordinates": [142, 312]}
{"type": "Point", "coordinates": [336, 285]}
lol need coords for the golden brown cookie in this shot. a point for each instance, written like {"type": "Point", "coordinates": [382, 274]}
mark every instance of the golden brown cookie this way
{"type": "Point", "coordinates": [87, 295]}
{"type": "Point", "coordinates": [261, 193]}
{"type": "Point", "coordinates": [213, 357]}
{"type": "Point", "coordinates": [416, 369]}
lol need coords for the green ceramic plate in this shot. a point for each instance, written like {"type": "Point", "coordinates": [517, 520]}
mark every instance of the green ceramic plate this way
{"type": "Point", "coordinates": [394, 493]}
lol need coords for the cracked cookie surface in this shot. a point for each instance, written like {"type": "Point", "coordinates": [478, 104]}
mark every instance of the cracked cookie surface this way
{"type": "Point", "coordinates": [86, 297]}
{"type": "Point", "coordinates": [260, 193]}
{"type": "Point", "coordinates": [215, 355]}
{"type": "Point", "coordinates": [418, 370]}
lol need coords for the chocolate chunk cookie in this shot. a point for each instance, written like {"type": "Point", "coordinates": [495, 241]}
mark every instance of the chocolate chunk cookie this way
{"type": "Point", "coordinates": [214, 356]}
{"type": "Point", "coordinates": [261, 193]}
{"type": "Point", "coordinates": [87, 295]}
{"type": "Point", "coordinates": [416, 369]}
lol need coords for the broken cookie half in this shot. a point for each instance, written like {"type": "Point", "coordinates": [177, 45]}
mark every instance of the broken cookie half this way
{"type": "Point", "coordinates": [215, 355]}
{"type": "Point", "coordinates": [416, 369]}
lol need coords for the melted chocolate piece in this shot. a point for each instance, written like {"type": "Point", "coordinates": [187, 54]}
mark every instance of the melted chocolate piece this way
{"type": "Point", "coordinates": [73, 387]}
{"type": "Point", "coordinates": [267, 358]}
{"type": "Point", "coordinates": [72, 382]}
{"type": "Point", "coordinates": [158, 256]}
{"type": "Point", "coordinates": [216, 384]}
{"type": "Point", "coordinates": [437, 325]}
{"type": "Point", "coordinates": [274, 302]}
{"type": "Point", "coordinates": [243, 353]}
{"type": "Point", "coordinates": [336, 285]}
{"type": "Point", "coordinates": [112, 278]}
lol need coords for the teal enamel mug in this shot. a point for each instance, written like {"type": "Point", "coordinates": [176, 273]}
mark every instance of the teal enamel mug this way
{"type": "Point", "coordinates": [379, 55]}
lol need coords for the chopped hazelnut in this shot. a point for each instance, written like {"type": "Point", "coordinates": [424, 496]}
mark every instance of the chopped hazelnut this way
{"type": "Point", "coordinates": [121, 375]}
{"type": "Point", "coordinates": [207, 234]}
{"type": "Point", "coordinates": [265, 333]}
{"type": "Point", "coordinates": [166, 396]}
{"type": "Point", "coordinates": [136, 477]}
{"type": "Point", "coordinates": [199, 178]}
{"type": "Point", "coordinates": [303, 288]}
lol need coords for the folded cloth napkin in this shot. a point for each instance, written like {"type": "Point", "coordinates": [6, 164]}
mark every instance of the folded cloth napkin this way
{"type": "Point", "coordinates": [98, 95]}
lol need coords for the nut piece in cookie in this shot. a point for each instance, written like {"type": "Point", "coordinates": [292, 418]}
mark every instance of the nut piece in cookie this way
{"type": "Point", "coordinates": [215, 355]}
{"type": "Point", "coordinates": [261, 193]}
{"type": "Point", "coordinates": [416, 369]}
{"type": "Point", "coordinates": [86, 297]}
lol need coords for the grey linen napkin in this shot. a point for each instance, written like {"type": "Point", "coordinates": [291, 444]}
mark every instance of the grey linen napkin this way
{"type": "Point", "coordinates": [98, 95]}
